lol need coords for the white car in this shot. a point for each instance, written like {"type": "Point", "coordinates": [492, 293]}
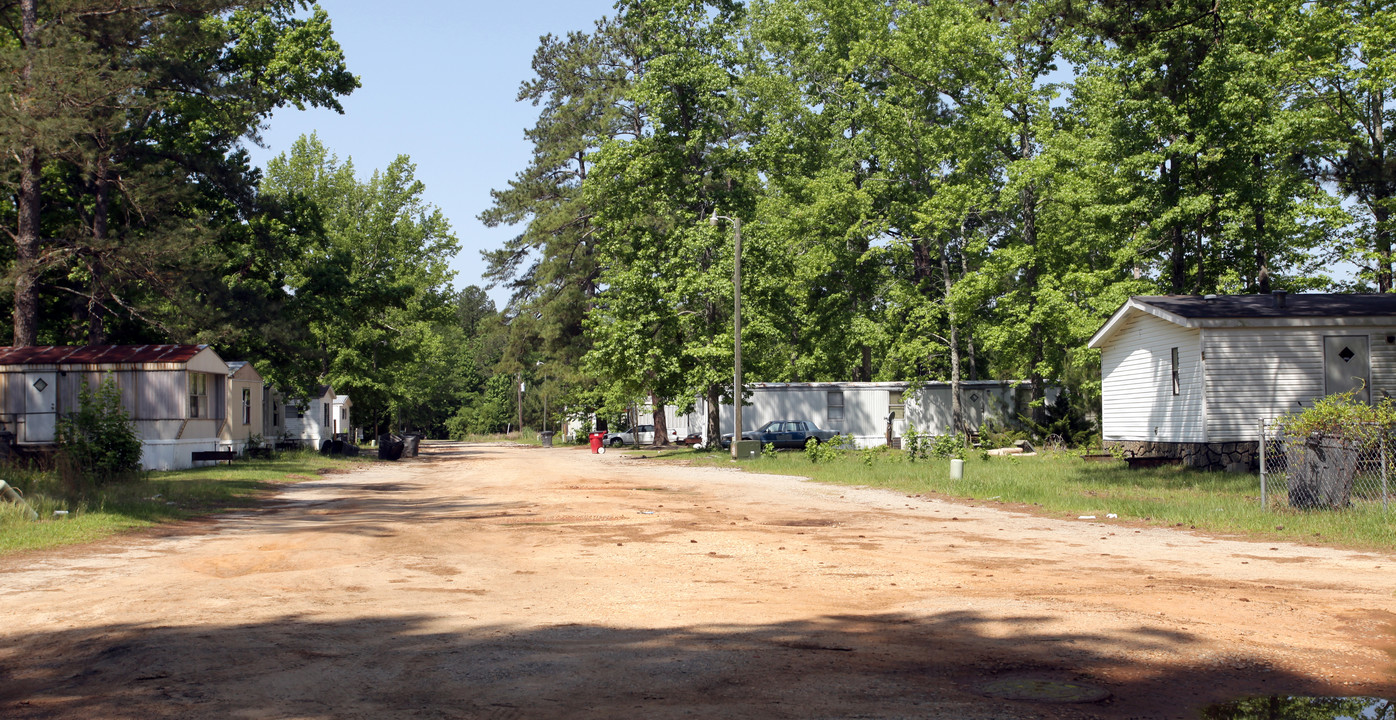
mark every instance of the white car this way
{"type": "Point", "coordinates": [644, 434]}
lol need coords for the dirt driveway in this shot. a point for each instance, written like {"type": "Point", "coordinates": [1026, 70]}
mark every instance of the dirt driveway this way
{"type": "Point", "coordinates": [494, 582]}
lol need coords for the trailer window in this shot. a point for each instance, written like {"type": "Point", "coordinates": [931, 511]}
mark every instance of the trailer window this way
{"type": "Point", "coordinates": [198, 395]}
{"type": "Point", "coordinates": [1176, 387]}
{"type": "Point", "coordinates": [835, 408]}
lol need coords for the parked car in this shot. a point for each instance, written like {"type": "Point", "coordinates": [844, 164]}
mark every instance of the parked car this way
{"type": "Point", "coordinates": [783, 434]}
{"type": "Point", "coordinates": [644, 435]}
{"type": "Point", "coordinates": [638, 435]}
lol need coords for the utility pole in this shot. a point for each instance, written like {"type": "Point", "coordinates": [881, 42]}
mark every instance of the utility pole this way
{"type": "Point", "coordinates": [520, 377]}
{"type": "Point", "coordinates": [736, 328]}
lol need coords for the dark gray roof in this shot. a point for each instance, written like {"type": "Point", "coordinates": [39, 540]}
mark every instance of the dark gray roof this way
{"type": "Point", "coordinates": [1268, 306]}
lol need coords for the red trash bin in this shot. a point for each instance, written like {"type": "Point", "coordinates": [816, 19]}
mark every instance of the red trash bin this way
{"type": "Point", "coordinates": [596, 438]}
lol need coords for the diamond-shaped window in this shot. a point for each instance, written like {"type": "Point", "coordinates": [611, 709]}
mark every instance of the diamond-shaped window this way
{"type": "Point", "coordinates": [40, 384]}
{"type": "Point", "coordinates": [1347, 354]}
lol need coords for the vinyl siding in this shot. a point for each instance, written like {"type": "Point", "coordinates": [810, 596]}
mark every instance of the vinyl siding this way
{"type": "Point", "coordinates": [162, 395]}
{"type": "Point", "coordinates": [929, 410]}
{"type": "Point", "coordinates": [1383, 362]}
{"type": "Point", "coordinates": [1255, 373]}
{"type": "Point", "coordinates": [1137, 385]}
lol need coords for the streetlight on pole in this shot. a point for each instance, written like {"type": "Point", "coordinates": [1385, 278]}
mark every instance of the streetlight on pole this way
{"type": "Point", "coordinates": [736, 326]}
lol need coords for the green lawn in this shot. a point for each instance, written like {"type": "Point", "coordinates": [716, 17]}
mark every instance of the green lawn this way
{"type": "Point", "coordinates": [1064, 485]}
{"type": "Point", "coordinates": [158, 498]}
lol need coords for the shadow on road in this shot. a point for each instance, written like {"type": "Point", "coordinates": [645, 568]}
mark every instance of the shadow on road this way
{"type": "Point", "coordinates": [403, 665]}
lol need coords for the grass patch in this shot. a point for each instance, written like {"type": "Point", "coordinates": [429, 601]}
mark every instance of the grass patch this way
{"type": "Point", "coordinates": [1064, 485]}
{"type": "Point", "coordinates": [159, 497]}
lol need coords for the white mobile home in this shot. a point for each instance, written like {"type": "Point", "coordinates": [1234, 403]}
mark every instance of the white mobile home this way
{"type": "Point", "coordinates": [860, 410]}
{"type": "Point", "coordinates": [1192, 376]}
{"type": "Point", "coordinates": [339, 415]}
{"type": "Point", "coordinates": [176, 395]}
{"type": "Point", "coordinates": [244, 402]}
{"type": "Point", "coordinates": [311, 421]}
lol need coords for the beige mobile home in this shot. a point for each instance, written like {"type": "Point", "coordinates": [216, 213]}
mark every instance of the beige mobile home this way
{"type": "Point", "coordinates": [176, 395]}
{"type": "Point", "coordinates": [245, 404]}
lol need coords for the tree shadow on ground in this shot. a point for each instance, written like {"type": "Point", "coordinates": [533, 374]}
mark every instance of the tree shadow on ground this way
{"type": "Point", "coordinates": [412, 665]}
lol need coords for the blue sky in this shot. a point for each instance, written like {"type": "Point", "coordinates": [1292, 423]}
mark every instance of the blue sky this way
{"type": "Point", "coordinates": [439, 81]}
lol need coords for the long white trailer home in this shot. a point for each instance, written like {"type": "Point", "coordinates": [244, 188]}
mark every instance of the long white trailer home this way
{"type": "Point", "coordinates": [1192, 376]}
{"type": "Point", "coordinates": [862, 411]}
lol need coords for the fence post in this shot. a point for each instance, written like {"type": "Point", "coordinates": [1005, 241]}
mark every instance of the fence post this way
{"type": "Point", "coordinates": [1263, 504]}
{"type": "Point", "coordinates": [1384, 430]}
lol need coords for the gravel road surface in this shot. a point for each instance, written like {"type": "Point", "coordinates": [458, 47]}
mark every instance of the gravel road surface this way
{"type": "Point", "coordinates": [491, 582]}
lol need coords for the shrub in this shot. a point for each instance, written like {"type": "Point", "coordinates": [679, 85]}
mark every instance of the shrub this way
{"type": "Point", "coordinates": [948, 446]}
{"type": "Point", "coordinates": [826, 451]}
{"type": "Point", "coordinates": [1341, 415]}
{"type": "Point", "coordinates": [915, 445]}
{"type": "Point", "coordinates": [994, 435]}
{"type": "Point", "coordinates": [768, 450]}
{"type": "Point", "coordinates": [870, 455]}
{"type": "Point", "coordinates": [98, 444]}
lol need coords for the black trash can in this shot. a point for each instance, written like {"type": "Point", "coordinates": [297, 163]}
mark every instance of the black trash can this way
{"type": "Point", "coordinates": [547, 437]}
{"type": "Point", "coordinates": [389, 447]}
{"type": "Point", "coordinates": [409, 445]}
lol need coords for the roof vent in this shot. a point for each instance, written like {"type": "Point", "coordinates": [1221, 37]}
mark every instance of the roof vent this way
{"type": "Point", "coordinates": [1279, 296]}
{"type": "Point", "coordinates": [1209, 298]}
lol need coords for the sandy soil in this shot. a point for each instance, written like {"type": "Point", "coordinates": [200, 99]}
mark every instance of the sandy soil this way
{"type": "Point", "coordinates": [494, 582]}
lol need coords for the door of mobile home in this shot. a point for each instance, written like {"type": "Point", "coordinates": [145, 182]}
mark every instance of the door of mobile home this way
{"type": "Point", "coordinates": [40, 406]}
{"type": "Point", "coordinates": [1345, 366]}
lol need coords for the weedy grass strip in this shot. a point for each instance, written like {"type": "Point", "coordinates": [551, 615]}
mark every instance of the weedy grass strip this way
{"type": "Point", "coordinates": [158, 497]}
{"type": "Point", "coordinates": [1063, 485]}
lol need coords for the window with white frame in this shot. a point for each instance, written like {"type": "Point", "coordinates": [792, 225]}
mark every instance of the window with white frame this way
{"type": "Point", "coordinates": [247, 406]}
{"type": "Point", "coordinates": [198, 395]}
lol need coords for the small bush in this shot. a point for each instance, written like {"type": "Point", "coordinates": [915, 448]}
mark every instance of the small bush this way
{"type": "Point", "coordinates": [915, 445]}
{"type": "Point", "coordinates": [948, 446]}
{"type": "Point", "coordinates": [994, 435]}
{"type": "Point", "coordinates": [871, 455]}
{"type": "Point", "coordinates": [768, 450]}
{"type": "Point", "coordinates": [827, 451]}
{"type": "Point", "coordinates": [97, 444]}
{"type": "Point", "coordinates": [1342, 415]}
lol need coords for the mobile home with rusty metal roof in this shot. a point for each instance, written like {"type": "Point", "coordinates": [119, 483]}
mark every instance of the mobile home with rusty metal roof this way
{"type": "Point", "coordinates": [176, 395]}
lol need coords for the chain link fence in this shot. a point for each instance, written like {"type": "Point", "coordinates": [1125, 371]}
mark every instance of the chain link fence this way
{"type": "Point", "coordinates": [1330, 472]}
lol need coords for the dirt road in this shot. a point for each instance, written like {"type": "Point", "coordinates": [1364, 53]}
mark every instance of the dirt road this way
{"type": "Point", "coordinates": [493, 582]}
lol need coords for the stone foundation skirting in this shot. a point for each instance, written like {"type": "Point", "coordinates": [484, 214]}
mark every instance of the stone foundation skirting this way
{"type": "Point", "coordinates": [1230, 456]}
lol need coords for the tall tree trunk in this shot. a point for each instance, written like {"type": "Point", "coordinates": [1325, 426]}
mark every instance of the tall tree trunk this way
{"type": "Point", "coordinates": [1262, 258]}
{"type": "Point", "coordinates": [969, 337]}
{"type": "Point", "coordinates": [1172, 193]}
{"type": "Point", "coordinates": [1380, 208]}
{"type": "Point", "coordinates": [714, 432]}
{"type": "Point", "coordinates": [661, 427]}
{"type": "Point", "coordinates": [101, 186]}
{"type": "Point", "coordinates": [26, 312]}
{"type": "Point", "coordinates": [956, 411]}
